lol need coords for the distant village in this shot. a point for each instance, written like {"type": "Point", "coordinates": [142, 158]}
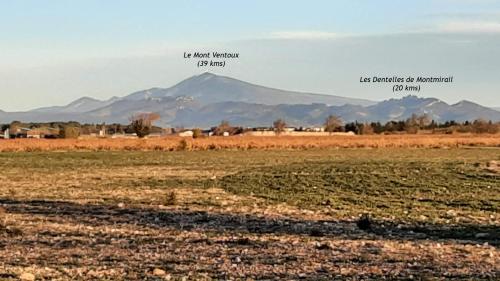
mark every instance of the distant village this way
{"type": "Point", "coordinates": [67, 130]}
{"type": "Point", "coordinates": [141, 126]}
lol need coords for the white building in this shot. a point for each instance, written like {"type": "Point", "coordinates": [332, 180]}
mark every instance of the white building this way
{"type": "Point", "coordinates": [186, 134]}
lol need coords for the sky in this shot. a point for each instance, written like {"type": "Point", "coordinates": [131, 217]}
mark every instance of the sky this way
{"type": "Point", "coordinates": [53, 52]}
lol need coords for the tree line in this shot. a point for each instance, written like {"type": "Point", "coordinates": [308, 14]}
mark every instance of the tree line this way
{"type": "Point", "coordinates": [412, 125]}
{"type": "Point", "coordinates": [142, 125]}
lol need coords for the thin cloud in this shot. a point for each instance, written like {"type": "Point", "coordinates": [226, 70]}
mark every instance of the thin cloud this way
{"type": "Point", "coordinates": [303, 35]}
{"type": "Point", "coordinates": [469, 27]}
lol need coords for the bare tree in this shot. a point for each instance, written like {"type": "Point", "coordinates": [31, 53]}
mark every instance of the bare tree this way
{"type": "Point", "coordinates": [367, 129]}
{"type": "Point", "coordinates": [14, 127]}
{"type": "Point", "coordinates": [333, 123]}
{"type": "Point", "coordinates": [411, 124]}
{"type": "Point", "coordinates": [424, 120]}
{"type": "Point", "coordinates": [279, 126]}
{"type": "Point", "coordinates": [142, 123]}
{"type": "Point", "coordinates": [223, 127]}
{"type": "Point", "coordinates": [416, 122]}
{"type": "Point", "coordinates": [481, 126]}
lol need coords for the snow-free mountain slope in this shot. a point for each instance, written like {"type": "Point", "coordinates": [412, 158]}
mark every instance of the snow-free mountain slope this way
{"type": "Point", "coordinates": [204, 100]}
{"type": "Point", "coordinates": [80, 105]}
{"type": "Point", "coordinates": [210, 88]}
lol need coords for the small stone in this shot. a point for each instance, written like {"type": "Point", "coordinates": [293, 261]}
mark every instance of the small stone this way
{"type": "Point", "coordinates": [159, 272]}
{"type": "Point", "coordinates": [322, 246]}
{"type": "Point", "coordinates": [121, 205]}
{"type": "Point", "coordinates": [27, 277]}
{"type": "Point", "coordinates": [482, 235]}
{"type": "Point", "coordinates": [451, 213]}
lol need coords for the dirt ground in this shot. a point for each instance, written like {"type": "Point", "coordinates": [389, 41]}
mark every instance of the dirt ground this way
{"type": "Point", "coordinates": [185, 216]}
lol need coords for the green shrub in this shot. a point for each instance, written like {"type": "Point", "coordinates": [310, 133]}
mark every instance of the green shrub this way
{"type": "Point", "coordinates": [197, 133]}
{"type": "Point", "coordinates": [69, 132]}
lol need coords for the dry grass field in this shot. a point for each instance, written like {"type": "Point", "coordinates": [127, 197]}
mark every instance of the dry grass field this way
{"type": "Point", "coordinates": [251, 142]}
{"type": "Point", "coordinates": [133, 210]}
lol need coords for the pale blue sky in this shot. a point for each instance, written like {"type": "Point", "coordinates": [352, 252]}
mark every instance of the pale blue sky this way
{"type": "Point", "coordinates": [52, 52]}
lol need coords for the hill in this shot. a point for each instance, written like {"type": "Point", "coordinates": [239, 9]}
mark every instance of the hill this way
{"type": "Point", "coordinates": [204, 100]}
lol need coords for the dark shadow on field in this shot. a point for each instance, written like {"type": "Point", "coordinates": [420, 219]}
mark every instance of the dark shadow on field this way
{"type": "Point", "coordinates": [101, 215]}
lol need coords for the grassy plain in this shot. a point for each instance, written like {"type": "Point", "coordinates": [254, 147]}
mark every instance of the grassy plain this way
{"type": "Point", "coordinates": [251, 214]}
{"type": "Point", "coordinates": [173, 143]}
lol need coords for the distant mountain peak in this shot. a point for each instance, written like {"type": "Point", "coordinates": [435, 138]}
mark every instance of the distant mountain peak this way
{"type": "Point", "coordinates": [83, 100]}
{"type": "Point", "coordinates": [207, 74]}
{"type": "Point", "coordinates": [411, 97]}
{"type": "Point", "coordinates": [464, 103]}
{"type": "Point", "coordinates": [114, 98]}
{"type": "Point", "coordinates": [81, 105]}
{"type": "Point", "coordinates": [417, 98]}
{"type": "Point", "coordinates": [87, 98]}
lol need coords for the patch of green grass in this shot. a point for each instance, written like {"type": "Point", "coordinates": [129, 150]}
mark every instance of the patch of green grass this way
{"type": "Point", "coordinates": [405, 188]}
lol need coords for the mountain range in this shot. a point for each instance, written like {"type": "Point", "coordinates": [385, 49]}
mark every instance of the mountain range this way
{"type": "Point", "coordinates": [204, 100]}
